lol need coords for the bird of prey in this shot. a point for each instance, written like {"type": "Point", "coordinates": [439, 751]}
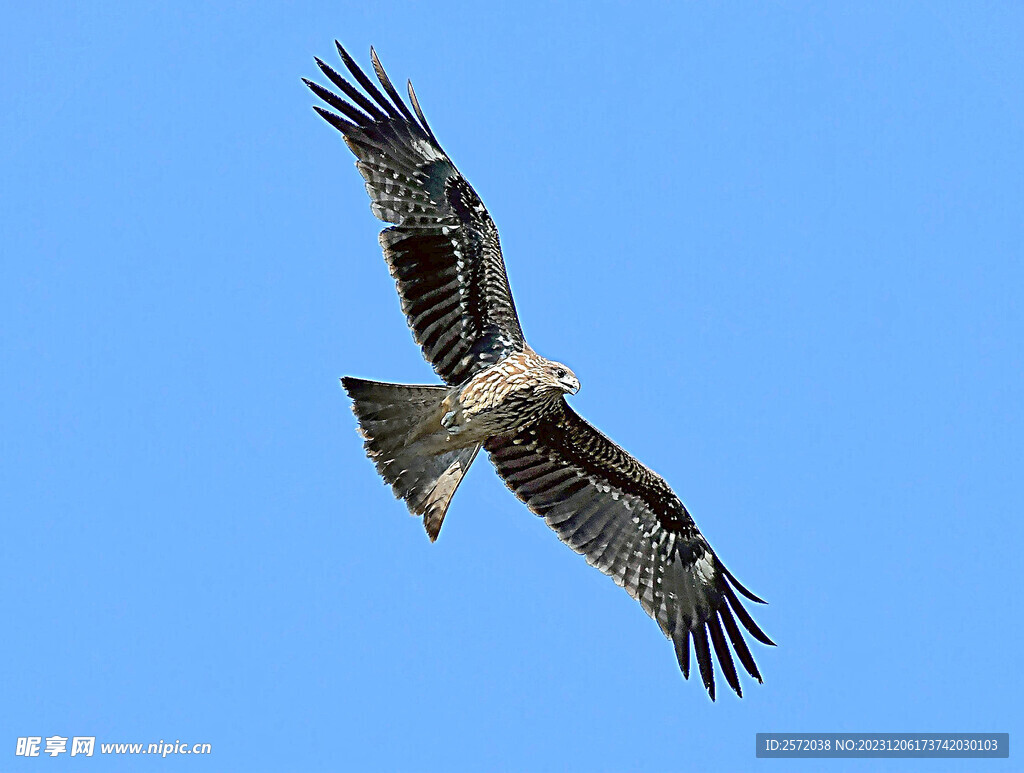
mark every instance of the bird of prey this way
{"type": "Point", "coordinates": [500, 395]}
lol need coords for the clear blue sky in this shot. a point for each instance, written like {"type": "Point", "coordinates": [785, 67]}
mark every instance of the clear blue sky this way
{"type": "Point", "coordinates": [781, 246]}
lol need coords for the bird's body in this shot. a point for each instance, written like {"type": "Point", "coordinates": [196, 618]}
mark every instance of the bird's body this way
{"type": "Point", "coordinates": [444, 253]}
{"type": "Point", "coordinates": [405, 437]}
{"type": "Point", "coordinates": [518, 390]}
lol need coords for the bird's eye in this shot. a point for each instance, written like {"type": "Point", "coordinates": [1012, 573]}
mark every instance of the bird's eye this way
{"type": "Point", "coordinates": [560, 373]}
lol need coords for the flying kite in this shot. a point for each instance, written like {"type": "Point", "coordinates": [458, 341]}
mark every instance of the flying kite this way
{"type": "Point", "coordinates": [500, 395]}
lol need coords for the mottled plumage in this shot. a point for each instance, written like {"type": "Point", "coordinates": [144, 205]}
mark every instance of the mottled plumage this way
{"type": "Point", "coordinates": [444, 253]}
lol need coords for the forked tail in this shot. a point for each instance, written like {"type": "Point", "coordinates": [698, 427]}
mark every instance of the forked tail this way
{"type": "Point", "coordinates": [401, 424]}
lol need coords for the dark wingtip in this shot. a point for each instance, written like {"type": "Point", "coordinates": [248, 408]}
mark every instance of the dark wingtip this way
{"type": "Point", "coordinates": [738, 643]}
{"type": "Point", "coordinates": [724, 656]}
{"type": "Point", "coordinates": [327, 70]}
{"type": "Point", "coordinates": [336, 121]}
{"type": "Point", "coordinates": [741, 587]}
{"type": "Point", "coordinates": [683, 653]}
{"type": "Point", "coordinates": [389, 88]}
{"type": "Point", "coordinates": [342, 52]}
{"type": "Point", "coordinates": [419, 113]}
{"type": "Point", "coordinates": [367, 84]}
{"type": "Point", "coordinates": [704, 662]}
{"type": "Point", "coordinates": [744, 616]}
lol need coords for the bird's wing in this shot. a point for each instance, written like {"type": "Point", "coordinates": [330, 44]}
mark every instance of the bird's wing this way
{"type": "Point", "coordinates": [443, 248]}
{"type": "Point", "coordinates": [628, 523]}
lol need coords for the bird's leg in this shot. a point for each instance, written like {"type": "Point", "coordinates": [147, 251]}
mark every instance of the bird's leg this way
{"type": "Point", "coordinates": [448, 421]}
{"type": "Point", "coordinates": [451, 413]}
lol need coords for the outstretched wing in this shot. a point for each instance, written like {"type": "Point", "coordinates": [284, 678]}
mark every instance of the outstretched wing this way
{"type": "Point", "coordinates": [443, 248]}
{"type": "Point", "coordinates": [628, 523]}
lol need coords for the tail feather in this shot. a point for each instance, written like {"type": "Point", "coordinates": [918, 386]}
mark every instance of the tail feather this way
{"type": "Point", "coordinates": [401, 426]}
{"type": "Point", "coordinates": [433, 486]}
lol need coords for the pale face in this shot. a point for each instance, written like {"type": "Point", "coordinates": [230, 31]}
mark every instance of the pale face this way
{"type": "Point", "coordinates": [564, 378]}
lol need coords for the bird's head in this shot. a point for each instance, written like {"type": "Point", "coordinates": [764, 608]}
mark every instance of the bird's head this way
{"type": "Point", "coordinates": [563, 378]}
